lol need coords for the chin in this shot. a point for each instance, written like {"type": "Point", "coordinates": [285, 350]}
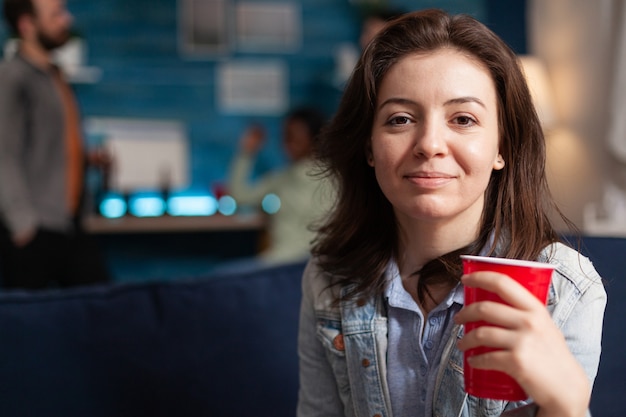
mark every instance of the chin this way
{"type": "Point", "coordinates": [423, 214]}
{"type": "Point", "coordinates": [53, 42]}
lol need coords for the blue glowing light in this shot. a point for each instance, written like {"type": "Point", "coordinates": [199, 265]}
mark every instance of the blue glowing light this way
{"type": "Point", "coordinates": [113, 207]}
{"type": "Point", "coordinates": [227, 205]}
{"type": "Point", "coordinates": [146, 206]}
{"type": "Point", "coordinates": [189, 205]}
{"type": "Point", "coordinates": [270, 204]}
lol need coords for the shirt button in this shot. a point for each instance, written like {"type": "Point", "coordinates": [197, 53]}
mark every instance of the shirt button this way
{"type": "Point", "coordinates": [338, 342]}
{"type": "Point", "coordinates": [429, 344]}
{"type": "Point", "coordinates": [422, 370]}
{"type": "Point", "coordinates": [365, 363]}
{"type": "Point", "coordinates": [433, 320]}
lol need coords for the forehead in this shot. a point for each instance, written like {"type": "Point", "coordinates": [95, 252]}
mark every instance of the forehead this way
{"type": "Point", "coordinates": [296, 125]}
{"type": "Point", "coordinates": [445, 70]}
{"type": "Point", "coordinates": [374, 23]}
{"type": "Point", "coordinates": [48, 6]}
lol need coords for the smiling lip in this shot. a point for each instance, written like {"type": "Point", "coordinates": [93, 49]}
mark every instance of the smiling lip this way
{"type": "Point", "coordinates": [429, 179]}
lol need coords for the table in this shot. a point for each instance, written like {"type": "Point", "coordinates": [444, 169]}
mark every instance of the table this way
{"type": "Point", "coordinates": [170, 247]}
{"type": "Point", "coordinates": [95, 224]}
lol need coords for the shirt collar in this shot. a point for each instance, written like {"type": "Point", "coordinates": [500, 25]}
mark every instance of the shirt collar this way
{"type": "Point", "coordinates": [48, 69]}
{"type": "Point", "coordinates": [398, 297]}
{"type": "Point", "coordinates": [395, 293]}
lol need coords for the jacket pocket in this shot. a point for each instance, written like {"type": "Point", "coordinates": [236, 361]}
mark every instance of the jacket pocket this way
{"type": "Point", "coordinates": [330, 334]}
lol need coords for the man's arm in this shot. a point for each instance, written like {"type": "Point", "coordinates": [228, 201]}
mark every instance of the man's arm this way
{"type": "Point", "coordinates": [15, 202]}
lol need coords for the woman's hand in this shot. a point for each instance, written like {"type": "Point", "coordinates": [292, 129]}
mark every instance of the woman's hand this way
{"type": "Point", "coordinates": [252, 139]}
{"type": "Point", "coordinates": [533, 350]}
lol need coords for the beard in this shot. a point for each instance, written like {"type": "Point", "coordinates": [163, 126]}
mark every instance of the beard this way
{"type": "Point", "coordinates": [52, 42]}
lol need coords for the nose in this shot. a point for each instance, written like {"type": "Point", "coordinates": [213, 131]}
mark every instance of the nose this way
{"type": "Point", "coordinates": [430, 139]}
{"type": "Point", "coordinates": [68, 18]}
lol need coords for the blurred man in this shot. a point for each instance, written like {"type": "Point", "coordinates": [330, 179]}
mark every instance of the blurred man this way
{"type": "Point", "coordinates": [41, 158]}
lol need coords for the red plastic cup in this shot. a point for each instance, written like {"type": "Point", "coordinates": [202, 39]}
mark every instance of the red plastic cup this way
{"type": "Point", "coordinates": [535, 277]}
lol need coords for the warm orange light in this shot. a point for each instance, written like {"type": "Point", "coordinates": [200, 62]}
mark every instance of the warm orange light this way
{"type": "Point", "coordinates": [540, 89]}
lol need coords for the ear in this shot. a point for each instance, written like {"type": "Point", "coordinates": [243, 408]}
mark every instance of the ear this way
{"type": "Point", "coordinates": [499, 163]}
{"type": "Point", "coordinates": [25, 25]}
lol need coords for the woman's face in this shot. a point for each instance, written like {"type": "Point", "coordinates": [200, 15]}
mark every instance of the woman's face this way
{"type": "Point", "coordinates": [435, 136]}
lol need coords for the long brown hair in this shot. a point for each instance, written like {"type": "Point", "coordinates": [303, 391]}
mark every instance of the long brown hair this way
{"type": "Point", "coordinates": [360, 237]}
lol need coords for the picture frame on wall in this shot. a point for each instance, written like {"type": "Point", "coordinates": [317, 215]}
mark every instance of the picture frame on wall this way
{"type": "Point", "coordinates": [255, 86]}
{"type": "Point", "coordinates": [204, 27]}
{"type": "Point", "coordinates": [268, 26]}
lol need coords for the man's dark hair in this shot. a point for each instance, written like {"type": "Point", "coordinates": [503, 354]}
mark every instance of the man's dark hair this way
{"type": "Point", "coordinates": [14, 9]}
{"type": "Point", "coordinates": [313, 118]}
{"type": "Point", "coordinates": [382, 13]}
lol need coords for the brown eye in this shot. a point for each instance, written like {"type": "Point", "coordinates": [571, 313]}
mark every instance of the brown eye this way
{"type": "Point", "coordinates": [464, 121]}
{"type": "Point", "coordinates": [400, 120]}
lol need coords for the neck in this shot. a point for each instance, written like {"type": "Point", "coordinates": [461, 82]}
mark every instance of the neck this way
{"type": "Point", "coordinates": [36, 53]}
{"type": "Point", "coordinates": [423, 242]}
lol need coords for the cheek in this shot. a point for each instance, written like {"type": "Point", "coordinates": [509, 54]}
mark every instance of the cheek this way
{"type": "Point", "coordinates": [385, 167]}
{"type": "Point", "coordinates": [384, 153]}
{"type": "Point", "coordinates": [380, 161]}
{"type": "Point", "coordinates": [479, 168]}
{"type": "Point", "coordinates": [477, 157]}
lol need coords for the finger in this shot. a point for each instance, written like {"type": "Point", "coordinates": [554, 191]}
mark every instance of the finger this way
{"type": "Point", "coordinates": [492, 312]}
{"type": "Point", "coordinates": [498, 360]}
{"type": "Point", "coordinates": [509, 290]}
{"type": "Point", "coordinates": [542, 379]}
{"type": "Point", "coordinates": [488, 336]}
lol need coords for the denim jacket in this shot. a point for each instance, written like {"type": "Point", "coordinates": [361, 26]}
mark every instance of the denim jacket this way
{"type": "Point", "coordinates": [342, 348]}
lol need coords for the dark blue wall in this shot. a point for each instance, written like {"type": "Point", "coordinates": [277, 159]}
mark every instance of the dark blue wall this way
{"type": "Point", "coordinates": [508, 19]}
{"type": "Point", "coordinates": [134, 42]}
{"type": "Point", "coordinates": [135, 45]}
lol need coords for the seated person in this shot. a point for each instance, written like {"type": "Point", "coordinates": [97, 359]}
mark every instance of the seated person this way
{"type": "Point", "coordinates": [303, 196]}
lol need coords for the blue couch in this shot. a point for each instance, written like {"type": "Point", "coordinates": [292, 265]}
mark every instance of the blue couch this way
{"type": "Point", "coordinates": [222, 345]}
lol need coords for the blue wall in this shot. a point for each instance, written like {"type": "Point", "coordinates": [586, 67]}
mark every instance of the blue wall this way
{"type": "Point", "coordinates": [135, 44]}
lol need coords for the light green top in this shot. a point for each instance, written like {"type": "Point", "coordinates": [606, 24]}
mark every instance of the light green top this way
{"type": "Point", "coordinates": [304, 199]}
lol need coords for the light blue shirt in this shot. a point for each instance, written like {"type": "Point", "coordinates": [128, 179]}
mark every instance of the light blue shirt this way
{"type": "Point", "coordinates": [415, 346]}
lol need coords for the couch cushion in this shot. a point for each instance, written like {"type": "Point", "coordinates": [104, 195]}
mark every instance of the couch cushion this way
{"type": "Point", "coordinates": [219, 346]}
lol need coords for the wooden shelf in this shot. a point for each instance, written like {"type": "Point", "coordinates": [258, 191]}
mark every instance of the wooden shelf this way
{"type": "Point", "coordinates": [173, 224]}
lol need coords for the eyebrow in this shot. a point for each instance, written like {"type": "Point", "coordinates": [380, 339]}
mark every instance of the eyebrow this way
{"type": "Point", "coordinates": [467, 99]}
{"type": "Point", "coordinates": [457, 100]}
{"type": "Point", "coordinates": [397, 100]}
